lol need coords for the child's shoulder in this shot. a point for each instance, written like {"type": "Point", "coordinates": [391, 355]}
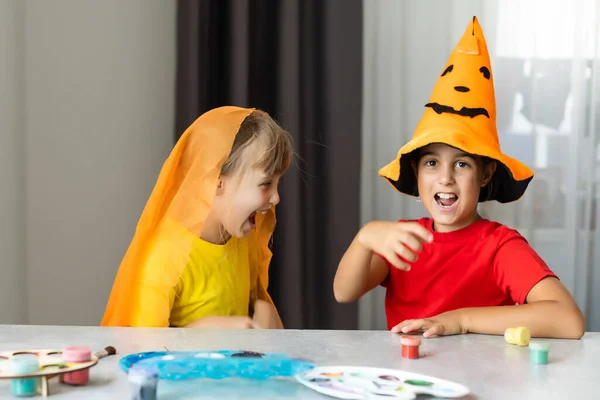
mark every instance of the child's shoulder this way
{"type": "Point", "coordinates": [483, 228]}
{"type": "Point", "coordinates": [426, 222]}
{"type": "Point", "coordinates": [500, 231]}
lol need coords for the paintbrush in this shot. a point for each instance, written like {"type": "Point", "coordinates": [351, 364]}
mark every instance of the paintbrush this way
{"type": "Point", "coordinates": [108, 351]}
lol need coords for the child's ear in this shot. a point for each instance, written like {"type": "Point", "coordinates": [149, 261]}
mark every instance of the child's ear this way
{"type": "Point", "coordinates": [413, 164]}
{"type": "Point", "coordinates": [220, 187]}
{"type": "Point", "coordinates": [488, 173]}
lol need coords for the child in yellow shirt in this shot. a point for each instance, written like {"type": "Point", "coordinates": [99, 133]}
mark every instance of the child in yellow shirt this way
{"type": "Point", "coordinates": [200, 255]}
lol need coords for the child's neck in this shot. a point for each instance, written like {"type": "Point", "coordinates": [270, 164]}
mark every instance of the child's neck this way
{"type": "Point", "coordinates": [441, 228]}
{"type": "Point", "coordinates": [213, 231]}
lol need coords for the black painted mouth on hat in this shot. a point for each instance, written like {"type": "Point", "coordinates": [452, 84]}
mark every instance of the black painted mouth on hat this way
{"type": "Point", "coordinates": [465, 111]}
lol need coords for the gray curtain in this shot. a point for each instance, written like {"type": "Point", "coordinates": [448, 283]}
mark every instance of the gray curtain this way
{"type": "Point", "coordinates": [301, 61]}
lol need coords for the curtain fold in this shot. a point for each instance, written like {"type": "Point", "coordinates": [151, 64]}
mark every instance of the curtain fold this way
{"type": "Point", "coordinates": [301, 61]}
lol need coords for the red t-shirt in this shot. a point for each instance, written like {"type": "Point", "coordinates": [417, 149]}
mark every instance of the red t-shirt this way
{"type": "Point", "coordinates": [484, 264]}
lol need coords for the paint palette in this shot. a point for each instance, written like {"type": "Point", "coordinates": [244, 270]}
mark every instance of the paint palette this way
{"type": "Point", "coordinates": [50, 363]}
{"type": "Point", "coordinates": [362, 382]}
{"type": "Point", "coordinates": [217, 364]}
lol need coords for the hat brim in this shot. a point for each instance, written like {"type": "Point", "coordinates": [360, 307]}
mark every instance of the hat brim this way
{"type": "Point", "coordinates": [507, 185]}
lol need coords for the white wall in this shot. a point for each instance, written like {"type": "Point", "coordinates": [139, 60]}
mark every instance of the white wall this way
{"type": "Point", "coordinates": [98, 106]}
{"type": "Point", "coordinates": [12, 210]}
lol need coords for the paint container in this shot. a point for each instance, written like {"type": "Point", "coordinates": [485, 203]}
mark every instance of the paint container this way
{"type": "Point", "coordinates": [519, 336]}
{"type": "Point", "coordinates": [143, 382]}
{"type": "Point", "coordinates": [410, 346]}
{"type": "Point", "coordinates": [76, 354]}
{"type": "Point", "coordinates": [24, 364]}
{"type": "Point", "coordinates": [538, 352]}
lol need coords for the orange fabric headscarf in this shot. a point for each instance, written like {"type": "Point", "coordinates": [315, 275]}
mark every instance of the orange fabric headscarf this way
{"type": "Point", "coordinates": [462, 113]}
{"type": "Point", "coordinates": [172, 220]}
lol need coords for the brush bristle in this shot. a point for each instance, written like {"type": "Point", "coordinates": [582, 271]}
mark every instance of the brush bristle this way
{"type": "Point", "coordinates": [110, 350]}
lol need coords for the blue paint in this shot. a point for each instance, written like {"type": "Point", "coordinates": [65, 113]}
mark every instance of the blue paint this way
{"type": "Point", "coordinates": [23, 365]}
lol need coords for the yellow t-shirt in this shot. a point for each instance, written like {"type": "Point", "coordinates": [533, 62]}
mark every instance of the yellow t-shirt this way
{"type": "Point", "coordinates": [217, 281]}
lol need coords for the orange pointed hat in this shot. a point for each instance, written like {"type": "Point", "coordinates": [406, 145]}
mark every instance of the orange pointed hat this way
{"type": "Point", "coordinates": [462, 113]}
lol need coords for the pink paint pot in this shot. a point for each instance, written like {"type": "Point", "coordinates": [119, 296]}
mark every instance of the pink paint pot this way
{"type": "Point", "coordinates": [75, 355]}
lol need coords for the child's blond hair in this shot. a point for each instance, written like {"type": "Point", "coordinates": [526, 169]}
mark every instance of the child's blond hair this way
{"type": "Point", "coordinates": [277, 154]}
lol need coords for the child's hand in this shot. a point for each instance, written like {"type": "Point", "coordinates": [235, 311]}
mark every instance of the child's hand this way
{"type": "Point", "coordinates": [448, 323]}
{"type": "Point", "coordinates": [225, 322]}
{"type": "Point", "coordinates": [393, 240]}
{"type": "Point", "coordinates": [266, 316]}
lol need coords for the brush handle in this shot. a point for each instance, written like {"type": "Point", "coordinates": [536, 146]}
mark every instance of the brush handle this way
{"type": "Point", "coordinates": [107, 351]}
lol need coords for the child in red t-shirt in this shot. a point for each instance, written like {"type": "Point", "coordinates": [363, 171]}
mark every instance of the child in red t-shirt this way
{"type": "Point", "coordinates": [456, 272]}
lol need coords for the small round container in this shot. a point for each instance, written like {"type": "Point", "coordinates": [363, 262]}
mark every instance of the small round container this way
{"type": "Point", "coordinates": [75, 355]}
{"type": "Point", "coordinates": [410, 346]}
{"type": "Point", "coordinates": [538, 352]}
{"type": "Point", "coordinates": [518, 336]}
{"type": "Point", "coordinates": [143, 382]}
{"type": "Point", "coordinates": [24, 364]}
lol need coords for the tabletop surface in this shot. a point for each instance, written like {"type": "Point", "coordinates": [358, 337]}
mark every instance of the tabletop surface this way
{"type": "Point", "coordinates": [487, 365]}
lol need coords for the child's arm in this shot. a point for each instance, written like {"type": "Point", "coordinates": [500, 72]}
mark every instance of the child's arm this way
{"type": "Point", "coordinates": [550, 312]}
{"type": "Point", "coordinates": [262, 310]}
{"type": "Point", "coordinates": [262, 315]}
{"type": "Point", "coordinates": [547, 309]}
{"type": "Point", "coordinates": [266, 316]}
{"type": "Point", "coordinates": [360, 269]}
{"type": "Point", "coordinates": [224, 322]}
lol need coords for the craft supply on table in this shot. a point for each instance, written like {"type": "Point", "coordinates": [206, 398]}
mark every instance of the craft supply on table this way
{"type": "Point", "coordinates": [143, 381]}
{"type": "Point", "coordinates": [538, 352]}
{"type": "Point", "coordinates": [30, 370]}
{"type": "Point", "coordinates": [24, 364]}
{"type": "Point", "coordinates": [354, 382]}
{"type": "Point", "coordinates": [410, 346]}
{"type": "Point", "coordinates": [217, 364]}
{"type": "Point", "coordinates": [518, 336]}
{"type": "Point", "coordinates": [76, 354]}
{"type": "Point", "coordinates": [107, 351]}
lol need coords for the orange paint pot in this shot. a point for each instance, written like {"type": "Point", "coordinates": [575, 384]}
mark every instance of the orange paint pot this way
{"type": "Point", "coordinates": [410, 346]}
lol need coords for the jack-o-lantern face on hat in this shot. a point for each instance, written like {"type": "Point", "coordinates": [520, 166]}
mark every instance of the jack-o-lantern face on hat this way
{"type": "Point", "coordinates": [465, 87]}
{"type": "Point", "coordinates": [464, 110]}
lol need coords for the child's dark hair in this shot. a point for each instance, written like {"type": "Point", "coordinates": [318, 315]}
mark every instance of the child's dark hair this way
{"type": "Point", "coordinates": [487, 192]}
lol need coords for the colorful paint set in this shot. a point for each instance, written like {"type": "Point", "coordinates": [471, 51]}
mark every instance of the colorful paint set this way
{"type": "Point", "coordinates": [30, 370]}
{"type": "Point", "coordinates": [346, 382]}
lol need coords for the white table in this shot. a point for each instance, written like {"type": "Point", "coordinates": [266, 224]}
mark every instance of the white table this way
{"type": "Point", "coordinates": [490, 367]}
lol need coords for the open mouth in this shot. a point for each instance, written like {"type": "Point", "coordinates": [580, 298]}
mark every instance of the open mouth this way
{"type": "Point", "coordinates": [446, 200]}
{"type": "Point", "coordinates": [252, 217]}
{"type": "Point", "coordinates": [465, 111]}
